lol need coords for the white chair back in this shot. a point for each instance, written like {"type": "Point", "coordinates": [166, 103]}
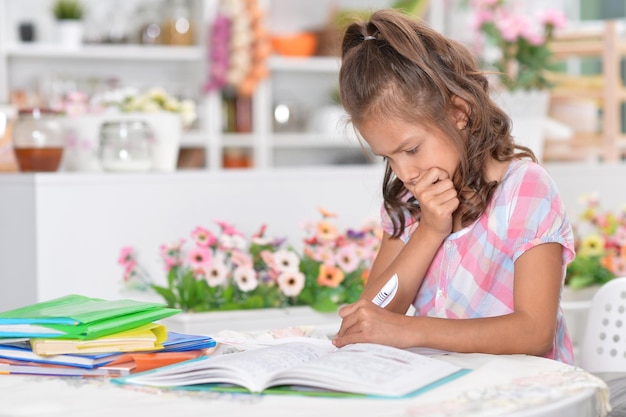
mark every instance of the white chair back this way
{"type": "Point", "coordinates": [603, 348]}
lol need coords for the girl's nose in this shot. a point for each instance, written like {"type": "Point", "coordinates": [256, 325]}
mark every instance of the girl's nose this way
{"type": "Point", "coordinates": [405, 173]}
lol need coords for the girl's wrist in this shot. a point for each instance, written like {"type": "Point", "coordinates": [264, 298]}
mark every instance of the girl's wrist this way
{"type": "Point", "coordinates": [426, 234]}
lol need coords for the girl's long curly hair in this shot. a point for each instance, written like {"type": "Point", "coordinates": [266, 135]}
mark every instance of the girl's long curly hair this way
{"type": "Point", "coordinates": [399, 68]}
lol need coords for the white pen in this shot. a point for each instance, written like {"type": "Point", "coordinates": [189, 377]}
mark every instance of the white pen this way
{"type": "Point", "coordinates": [387, 292]}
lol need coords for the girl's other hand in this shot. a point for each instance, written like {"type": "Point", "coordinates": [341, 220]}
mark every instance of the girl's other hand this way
{"type": "Point", "coordinates": [365, 322]}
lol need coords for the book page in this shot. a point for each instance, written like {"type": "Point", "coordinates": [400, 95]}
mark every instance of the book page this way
{"type": "Point", "coordinates": [368, 369]}
{"type": "Point", "coordinates": [250, 369]}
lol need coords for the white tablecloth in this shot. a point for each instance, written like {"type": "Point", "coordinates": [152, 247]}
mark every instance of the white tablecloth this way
{"type": "Point", "coordinates": [500, 385]}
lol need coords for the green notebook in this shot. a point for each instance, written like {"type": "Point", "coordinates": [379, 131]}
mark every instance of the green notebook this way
{"type": "Point", "coordinates": [79, 317]}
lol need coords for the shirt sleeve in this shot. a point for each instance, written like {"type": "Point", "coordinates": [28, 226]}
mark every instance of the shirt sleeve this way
{"type": "Point", "coordinates": [409, 226]}
{"type": "Point", "coordinates": [537, 214]}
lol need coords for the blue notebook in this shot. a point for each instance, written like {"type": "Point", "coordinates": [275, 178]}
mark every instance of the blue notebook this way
{"type": "Point", "coordinates": [22, 351]}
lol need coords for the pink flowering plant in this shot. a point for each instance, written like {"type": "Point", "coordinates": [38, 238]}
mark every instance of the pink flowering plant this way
{"type": "Point", "coordinates": [521, 41]}
{"type": "Point", "coordinates": [600, 246]}
{"type": "Point", "coordinates": [223, 271]}
{"type": "Point", "coordinates": [336, 263]}
{"type": "Point", "coordinates": [227, 271]}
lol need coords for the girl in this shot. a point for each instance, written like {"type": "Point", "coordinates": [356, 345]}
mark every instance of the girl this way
{"type": "Point", "coordinates": [474, 228]}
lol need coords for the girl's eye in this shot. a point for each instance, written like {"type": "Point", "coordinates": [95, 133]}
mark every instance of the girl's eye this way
{"type": "Point", "coordinates": [412, 151]}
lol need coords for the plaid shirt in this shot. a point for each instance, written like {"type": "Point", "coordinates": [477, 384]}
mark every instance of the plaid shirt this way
{"type": "Point", "coordinates": [472, 273]}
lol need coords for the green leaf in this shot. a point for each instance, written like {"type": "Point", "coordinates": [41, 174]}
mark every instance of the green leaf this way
{"type": "Point", "coordinates": [167, 294]}
{"type": "Point", "coordinates": [324, 305]}
{"type": "Point", "coordinates": [585, 271]}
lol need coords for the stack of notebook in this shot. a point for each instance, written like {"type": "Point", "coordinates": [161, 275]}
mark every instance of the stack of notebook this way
{"type": "Point", "coordinates": [81, 336]}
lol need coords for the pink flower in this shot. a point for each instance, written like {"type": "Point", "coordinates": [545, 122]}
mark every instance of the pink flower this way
{"type": "Point", "coordinates": [203, 237]}
{"type": "Point", "coordinates": [268, 258]}
{"type": "Point", "coordinates": [242, 259]}
{"type": "Point", "coordinates": [171, 262]}
{"type": "Point", "coordinates": [512, 27]}
{"type": "Point", "coordinates": [261, 232]}
{"type": "Point", "coordinates": [199, 257]}
{"type": "Point", "coordinates": [129, 270]}
{"type": "Point", "coordinates": [554, 18]}
{"type": "Point", "coordinates": [228, 229]}
{"type": "Point", "coordinates": [480, 18]}
{"type": "Point", "coordinates": [324, 254]}
{"type": "Point", "coordinates": [127, 255]}
{"type": "Point", "coordinates": [171, 254]}
{"type": "Point", "coordinates": [619, 266]}
{"type": "Point", "coordinates": [620, 235]}
{"type": "Point", "coordinates": [348, 259]}
{"type": "Point", "coordinates": [536, 39]}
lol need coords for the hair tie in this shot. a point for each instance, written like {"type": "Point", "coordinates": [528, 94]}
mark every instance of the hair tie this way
{"type": "Point", "coordinates": [369, 38]}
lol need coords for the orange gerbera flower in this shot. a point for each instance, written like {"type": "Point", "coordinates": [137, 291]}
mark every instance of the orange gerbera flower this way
{"type": "Point", "coordinates": [330, 276]}
{"type": "Point", "coordinates": [365, 276]}
{"type": "Point", "coordinates": [326, 231]}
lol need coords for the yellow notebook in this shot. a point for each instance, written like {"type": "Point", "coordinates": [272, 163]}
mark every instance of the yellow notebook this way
{"type": "Point", "coordinates": [147, 337]}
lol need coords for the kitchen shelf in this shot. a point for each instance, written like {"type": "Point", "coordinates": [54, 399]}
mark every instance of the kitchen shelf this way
{"type": "Point", "coordinates": [309, 64]}
{"type": "Point", "coordinates": [309, 81]}
{"type": "Point", "coordinates": [307, 140]}
{"type": "Point", "coordinates": [107, 52]}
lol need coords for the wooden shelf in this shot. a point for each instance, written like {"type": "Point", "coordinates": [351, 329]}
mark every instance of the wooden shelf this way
{"type": "Point", "coordinates": [606, 43]}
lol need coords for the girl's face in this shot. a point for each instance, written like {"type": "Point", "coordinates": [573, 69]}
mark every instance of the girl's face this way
{"type": "Point", "coordinates": [409, 148]}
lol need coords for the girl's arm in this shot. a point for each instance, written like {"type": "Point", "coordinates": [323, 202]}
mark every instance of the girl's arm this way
{"type": "Point", "coordinates": [438, 201]}
{"type": "Point", "coordinates": [409, 261]}
{"type": "Point", "coordinates": [529, 329]}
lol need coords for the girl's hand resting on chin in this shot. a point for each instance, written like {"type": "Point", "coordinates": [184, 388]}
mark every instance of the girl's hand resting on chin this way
{"type": "Point", "coordinates": [437, 197]}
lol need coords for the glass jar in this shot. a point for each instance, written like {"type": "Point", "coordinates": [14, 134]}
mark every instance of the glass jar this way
{"type": "Point", "coordinates": [126, 145]}
{"type": "Point", "coordinates": [150, 26]}
{"type": "Point", "coordinates": [177, 26]}
{"type": "Point", "coordinates": [38, 140]}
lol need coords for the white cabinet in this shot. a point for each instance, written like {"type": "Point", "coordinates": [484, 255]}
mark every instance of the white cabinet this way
{"type": "Point", "coordinates": [63, 232]}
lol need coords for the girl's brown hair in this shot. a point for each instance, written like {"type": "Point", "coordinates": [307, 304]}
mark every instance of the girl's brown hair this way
{"type": "Point", "coordinates": [396, 67]}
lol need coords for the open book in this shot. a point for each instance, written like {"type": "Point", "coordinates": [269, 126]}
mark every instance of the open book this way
{"type": "Point", "coordinates": [367, 369]}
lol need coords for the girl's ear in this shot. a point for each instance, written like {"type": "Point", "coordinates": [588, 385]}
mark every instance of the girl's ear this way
{"type": "Point", "coordinates": [460, 112]}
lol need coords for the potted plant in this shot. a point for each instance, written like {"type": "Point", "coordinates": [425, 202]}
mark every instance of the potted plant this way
{"type": "Point", "coordinates": [69, 15]}
{"type": "Point", "coordinates": [216, 277]}
{"type": "Point", "coordinates": [600, 247]}
{"type": "Point", "coordinates": [227, 271]}
{"type": "Point", "coordinates": [516, 47]}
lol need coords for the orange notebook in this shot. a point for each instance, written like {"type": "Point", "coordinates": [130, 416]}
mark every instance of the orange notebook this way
{"type": "Point", "coordinates": [147, 361]}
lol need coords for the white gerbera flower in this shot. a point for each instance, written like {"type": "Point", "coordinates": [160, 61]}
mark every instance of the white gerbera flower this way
{"type": "Point", "coordinates": [246, 278]}
{"type": "Point", "coordinates": [286, 261]}
{"type": "Point", "coordinates": [216, 274]}
{"type": "Point", "coordinates": [291, 283]}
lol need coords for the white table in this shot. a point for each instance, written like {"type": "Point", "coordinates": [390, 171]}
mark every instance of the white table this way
{"type": "Point", "coordinates": [500, 385]}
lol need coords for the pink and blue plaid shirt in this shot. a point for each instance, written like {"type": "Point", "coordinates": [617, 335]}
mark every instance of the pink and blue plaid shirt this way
{"type": "Point", "coordinates": [472, 273]}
